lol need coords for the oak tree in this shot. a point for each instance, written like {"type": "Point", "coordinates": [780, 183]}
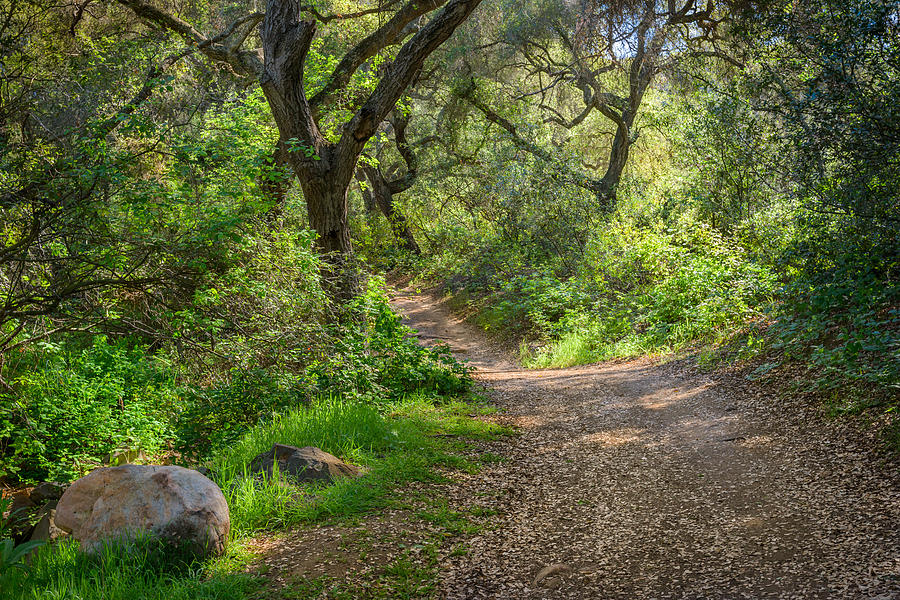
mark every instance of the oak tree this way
{"type": "Point", "coordinates": [287, 29]}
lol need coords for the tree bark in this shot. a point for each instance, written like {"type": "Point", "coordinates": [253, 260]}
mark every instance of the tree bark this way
{"type": "Point", "coordinates": [384, 199]}
{"type": "Point", "coordinates": [621, 146]}
{"type": "Point", "coordinates": [365, 191]}
{"type": "Point", "coordinates": [328, 210]}
{"type": "Point", "coordinates": [324, 180]}
{"type": "Point", "coordinates": [325, 170]}
{"type": "Point", "coordinates": [640, 75]}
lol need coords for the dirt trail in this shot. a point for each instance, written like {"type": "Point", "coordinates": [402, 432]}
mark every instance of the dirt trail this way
{"type": "Point", "coordinates": [647, 481]}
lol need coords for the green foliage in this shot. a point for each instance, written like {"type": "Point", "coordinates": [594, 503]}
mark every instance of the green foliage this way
{"type": "Point", "coordinates": [393, 357]}
{"type": "Point", "coordinates": [829, 72]}
{"type": "Point", "coordinates": [370, 354]}
{"type": "Point", "coordinates": [844, 322]}
{"type": "Point", "coordinates": [636, 289]}
{"type": "Point", "coordinates": [141, 569]}
{"type": "Point", "coordinates": [655, 291]}
{"type": "Point", "coordinates": [104, 198]}
{"type": "Point", "coordinates": [69, 407]}
{"type": "Point", "coordinates": [542, 301]}
{"type": "Point", "coordinates": [214, 417]}
{"type": "Point", "coordinates": [12, 555]}
{"type": "Point", "coordinates": [397, 442]}
{"type": "Point", "coordinates": [729, 151]}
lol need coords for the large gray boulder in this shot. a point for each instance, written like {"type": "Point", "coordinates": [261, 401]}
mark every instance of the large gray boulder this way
{"type": "Point", "coordinates": [302, 464]}
{"type": "Point", "coordinates": [176, 504]}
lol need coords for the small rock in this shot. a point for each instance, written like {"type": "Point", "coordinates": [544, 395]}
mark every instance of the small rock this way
{"type": "Point", "coordinates": [552, 572]}
{"type": "Point", "coordinates": [20, 516]}
{"type": "Point", "coordinates": [46, 529]}
{"type": "Point", "coordinates": [302, 464]}
{"type": "Point", "coordinates": [173, 503]}
{"type": "Point", "coordinates": [21, 500]}
{"type": "Point", "coordinates": [49, 491]}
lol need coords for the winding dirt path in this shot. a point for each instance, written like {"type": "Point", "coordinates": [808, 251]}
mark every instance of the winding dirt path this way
{"type": "Point", "coordinates": [645, 481]}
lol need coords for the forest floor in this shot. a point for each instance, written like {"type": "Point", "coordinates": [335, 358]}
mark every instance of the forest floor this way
{"type": "Point", "coordinates": [632, 480]}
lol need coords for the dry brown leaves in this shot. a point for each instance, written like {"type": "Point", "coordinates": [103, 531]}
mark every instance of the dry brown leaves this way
{"type": "Point", "coordinates": [640, 480]}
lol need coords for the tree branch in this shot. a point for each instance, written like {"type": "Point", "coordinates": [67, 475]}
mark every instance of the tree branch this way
{"type": "Point", "coordinates": [244, 63]}
{"type": "Point", "coordinates": [401, 74]}
{"type": "Point", "coordinates": [286, 41]}
{"type": "Point", "coordinates": [391, 33]}
{"type": "Point", "coordinates": [401, 184]}
{"type": "Point", "coordinates": [323, 18]}
{"type": "Point", "coordinates": [579, 179]}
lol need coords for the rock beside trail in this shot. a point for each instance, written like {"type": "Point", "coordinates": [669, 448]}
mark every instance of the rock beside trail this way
{"type": "Point", "coordinates": [47, 492]}
{"type": "Point", "coordinates": [46, 529]}
{"type": "Point", "coordinates": [303, 464]}
{"type": "Point", "coordinates": [173, 503]}
{"type": "Point", "coordinates": [20, 514]}
{"type": "Point", "coordinates": [29, 508]}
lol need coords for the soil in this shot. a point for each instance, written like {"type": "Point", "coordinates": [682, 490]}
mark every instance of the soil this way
{"type": "Point", "coordinates": [644, 480]}
{"type": "Point", "coordinates": [641, 480]}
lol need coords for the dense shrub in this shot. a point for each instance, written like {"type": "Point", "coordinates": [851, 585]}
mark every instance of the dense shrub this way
{"type": "Point", "coordinates": [67, 408]}
{"type": "Point", "coordinates": [636, 289]}
{"type": "Point", "coordinates": [840, 315]}
{"type": "Point", "coordinates": [376, 356]}
{"type": "Point", "coordinates": [213, 417]}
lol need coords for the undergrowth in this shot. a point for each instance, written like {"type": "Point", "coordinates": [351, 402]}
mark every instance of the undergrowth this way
{"type": "Point", "coordinates": [358, 386]}
{"type": "Point", "coordinates": [639, 290]}
{"type": "Point", "coordinates": [142, 569]}
{"type": "Point", "coordinates": [658, 278]}
{"type": "Point", "coordinates": [71, 404]}
{"type": "Point", "coordinates": [408, 439]}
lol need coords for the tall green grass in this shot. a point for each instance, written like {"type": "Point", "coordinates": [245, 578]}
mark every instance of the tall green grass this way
{"type": "Point", "coordinates": [397, 442]}
{"type": "Point", "coordinates": [394, 443]}
{"type": "Point", "coordinates": [351, 430]}
{"type": "Point", "coordinates": [142, 569]}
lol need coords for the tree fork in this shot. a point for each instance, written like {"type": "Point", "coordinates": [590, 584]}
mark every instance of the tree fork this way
{"type": "Point", "coordinates": [325, 170]}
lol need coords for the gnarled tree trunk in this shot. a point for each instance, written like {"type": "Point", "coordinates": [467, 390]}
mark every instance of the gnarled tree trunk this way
{"type": "Point", "coordinates": [324, 169]}
{"type": "Point", "coordinates": [623, 140]}
{"type": "Point", "coordinates": [328, 210]}
{"type": "Point", "coordinates": [384, 199]}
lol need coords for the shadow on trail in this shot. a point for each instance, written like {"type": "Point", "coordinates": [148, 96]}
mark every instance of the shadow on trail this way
{"type": "Point", "coordinates": [648, 481]}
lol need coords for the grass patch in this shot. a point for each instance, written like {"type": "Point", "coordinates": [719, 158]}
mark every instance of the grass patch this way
{"type": "Point", "coordinates": [414, 438]}
{"type": "Point", "coordinates": [453, 522]}
{"type": "Point", "coordinates": [410, 575]}
{"type": "Point", "coordinates": [575, 348]}
{"type": "Point", "coordinates": [412, 571]}
{"type": "Point", "coordinates": [398, 442]}
{"type": "Point", "coordinates": [142, 569]}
